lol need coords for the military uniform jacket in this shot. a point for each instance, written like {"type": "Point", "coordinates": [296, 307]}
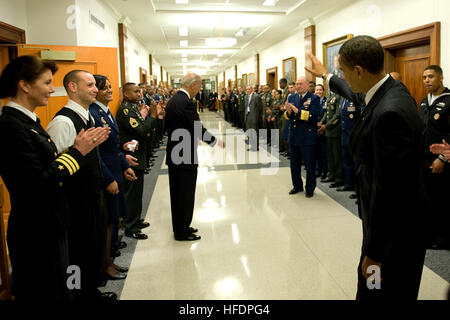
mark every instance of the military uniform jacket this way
{"type": "Point", "coordinates": [304, 132]}
{"type": "Point", "coordinates": [241, 102]}
{"type": "Point", "coordinates": [132, 126]}
{"type": "Point", "coordinates": [267, 103]}
{"type": "Point", "coordinates": [113, 161]}
{"type": "Point", "coordinates": [276, 104]}
{"type": "Point", "coordinates": [323, 107]}
{"type": "Point", "coordinates": [331, 118]}
{"type": "Point", "coordinates": [34, 174]}
{"type": "Point", "coordinates": [348, 116]}
{"type": "Point", "coordinates": [285, 95]}
{"type": "Point", "coordinates": [436, 118]}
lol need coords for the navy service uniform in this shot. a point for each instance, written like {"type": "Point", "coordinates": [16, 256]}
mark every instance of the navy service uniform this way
{"type": "Point", "coordinates": [322, 167]}
{"type": "Point", "coordinates": [35, 174]}
{"type": "Point", "coordinates": [303, 139]}
{"type": "Point", "coordinates": [436, 117]}
{"type": "Point", "coordinates": [348, 116]}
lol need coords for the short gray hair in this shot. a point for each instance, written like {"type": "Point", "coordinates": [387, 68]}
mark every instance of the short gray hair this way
{"type": "Point", "coordinates": [189, 79]}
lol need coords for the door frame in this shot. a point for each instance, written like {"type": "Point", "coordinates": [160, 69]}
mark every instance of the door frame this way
{"type": "Point", "coordinates": [273, 70]}
{"type": "Point", "coordinates": [429, 33]}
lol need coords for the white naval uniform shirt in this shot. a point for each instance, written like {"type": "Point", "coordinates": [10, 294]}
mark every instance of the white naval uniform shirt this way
{"type": "Point", "coordinates": [62, 130]}
{"type": "Point", "coordinates": [16, 106]}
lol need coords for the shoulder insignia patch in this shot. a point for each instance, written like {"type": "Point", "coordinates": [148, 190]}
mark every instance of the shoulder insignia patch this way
{"type": "Point", "coordinates": [126, 111]}
{"type": "Point", "coordinates": [134, 123]}
{"type": "Point", "coordinates": [436, 116]}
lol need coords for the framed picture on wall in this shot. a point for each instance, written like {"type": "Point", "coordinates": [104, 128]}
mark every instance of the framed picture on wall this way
{"type": "Point", "coordinates": [244, 80]}
{"type": "Point", "coordinates": [239, 82]}
{"type": "Point", "coordinates": [290, 69]}
{"type": "Point", "coordinates": [251, 79]}
{"type": "Point", "coordinates": [331, 54]}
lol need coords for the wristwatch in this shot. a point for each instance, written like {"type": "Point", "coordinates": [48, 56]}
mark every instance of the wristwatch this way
{"type": "Point", "coordinates": [442, 158]}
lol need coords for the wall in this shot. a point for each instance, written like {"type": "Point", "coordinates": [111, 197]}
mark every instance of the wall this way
{"type": "Point", "coordinates": [14, 13]}
{"type": "Point", "coordinates": [384, 18]}
{"type": "Point", "coordinates": [138, 57]}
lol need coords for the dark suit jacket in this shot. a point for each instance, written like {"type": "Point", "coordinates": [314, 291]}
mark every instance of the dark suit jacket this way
{"type": "Point", "coordinates": [112, 159]}
{"type": "Point", "coordinates": [253, 119]}
{"type": "Point", "coordinates": [181, 114]}
{"type": "Point", "coordinates": [386, 141]}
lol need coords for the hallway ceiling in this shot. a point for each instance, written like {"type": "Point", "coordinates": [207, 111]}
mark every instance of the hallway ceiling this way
{"type": "Point", "coordinates": [156, 23]}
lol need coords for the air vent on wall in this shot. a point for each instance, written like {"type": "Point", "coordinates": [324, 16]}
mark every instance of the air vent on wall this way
{"type": "Point", "coordinates": [96, 21]}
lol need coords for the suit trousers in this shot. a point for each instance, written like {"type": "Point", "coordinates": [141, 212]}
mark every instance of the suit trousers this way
{"type": "Point", "coordinates": [334, 159]}
{"type": "Point", "coordinates": [133, 197]}
{"type": "Point", "coordinates": [321, 150]}
{"type": "Point", "coordinates": [307, 154]}
{"type": "Point", "coordinates": [401, 273]}
{"type": "Point", "coordinates": [182, 182]}
{"type": "Point", "coordinates": [348, 168]}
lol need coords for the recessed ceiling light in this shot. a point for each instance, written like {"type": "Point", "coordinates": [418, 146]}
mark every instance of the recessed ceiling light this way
{"type": "Point", "coordinates": [181, 1]}
{"type": "Point", "coordinates": [270, 2]}
{"type": "Point", "coordinates": [183, 31]}
{"type": "Point", "coordinates": [183, 43]}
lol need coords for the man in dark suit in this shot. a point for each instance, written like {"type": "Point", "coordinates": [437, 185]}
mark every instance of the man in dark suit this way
{"type": "Point", "coordinates": [253, 112]}
{"type": "Point", "coordinates": [386, 141]}
{"type": "Point", "coordinates": [184, 129]}
{"type": "Point", "coordinates": [303, 109]}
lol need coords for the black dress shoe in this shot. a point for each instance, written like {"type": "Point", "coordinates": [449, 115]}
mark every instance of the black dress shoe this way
{"type": "Point", "coordinates": [353, 196]}
{"type": "Point", "coordinates": [189, 237]}
{"type": "Point", "coordinates": [309, 195]}
{"type": "Point", "coordinates": [120, 245]}
{"type": "Point", "coordinates": [193, 230]}
{"type": "Point", "coordinates": [345, 189]}
{"type": "Point", "coordinates": [119, 276]}
{"type": "Point", "coordinates": [115, 253]}
{"type": "Point", "coordinates": [327, 180]}
{"type": "Point", "coordinates": [121, 269]}
{"type": "Point", "coordinates": [108, 296]}
{"type": "Point", "coordinates": [323, 177]}
{"type": "Point", "coordinates": [294, 191]}
{"type": "Point", "coordinates": [137, 235]}
{"type": "Point", "coordinates": [143, 225]}
{"type": "Point", "coordinates": [336, 184]}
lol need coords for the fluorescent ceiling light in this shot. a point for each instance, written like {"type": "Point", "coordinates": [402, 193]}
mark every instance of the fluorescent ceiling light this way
{"type": "Point", "coordinates": [181, 1]}
{"type": "Point", "coordinates": [220, 42]}
{"type": "Point", "coordinates": [183, 31]}
{"type": "Point", "coordinates": [270, 2]}
{"type": "Point", "coordinates": [241, 32]}
{"type": "Point", "coordinates": [184, 43]}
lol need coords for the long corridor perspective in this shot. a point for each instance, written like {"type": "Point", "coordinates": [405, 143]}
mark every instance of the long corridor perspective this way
{"type": "Point", "coordinates": [258, 242]}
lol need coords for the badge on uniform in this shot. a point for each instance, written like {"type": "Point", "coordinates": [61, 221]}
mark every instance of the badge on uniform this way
{"type": "Point", "coordinates": [441, 104]}
{"type": "Point", "coordinates": [307, 102]}
{"type": "Point", "coordinates": [134, 123]}
{"type": "Point", "coordinates": [126, 112]}
{"type": "Point", "coordinates": [332, 107]}
{"type": "Point", "coordinates": [103, 120]}
{"type": "Point", "coordinates": [333, 100]}
{"type": "Point", "coordinates": [436, 116]}
{"type": "Point", "coordinates": [304, 115]}
{"type": "Point", "coordinates": [351, 116]}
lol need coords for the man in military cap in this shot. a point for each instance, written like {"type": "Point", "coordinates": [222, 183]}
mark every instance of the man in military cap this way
{"type": "Point", "coordinates": [435, 112]}
{"type": "Point", "coordinates": [131, 119]}
{"type": "Point", "coordinates": [330, 124]}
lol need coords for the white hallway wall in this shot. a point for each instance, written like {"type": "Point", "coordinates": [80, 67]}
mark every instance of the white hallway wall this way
{"type": "Point", "coordinates": [377, 19]}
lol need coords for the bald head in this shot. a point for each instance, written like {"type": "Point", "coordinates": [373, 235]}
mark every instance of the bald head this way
{"type": "Point", "coordinates": [192, 83]}
{"type": "Point", "coordinates": [302, 85]}
{"type": "Point", "coordinates": [396, 76]}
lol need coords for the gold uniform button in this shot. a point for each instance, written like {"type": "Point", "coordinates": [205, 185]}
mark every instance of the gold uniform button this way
{"type": "Point", "coordinates": [49, 140]}
{"type": "Point", "coordinates": [60, 184]}
{"type": "Point", "coordinates": [56, 154]}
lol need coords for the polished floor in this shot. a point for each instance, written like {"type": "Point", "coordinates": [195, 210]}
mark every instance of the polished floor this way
{"type": "Point", "coordinates": [257, 241]}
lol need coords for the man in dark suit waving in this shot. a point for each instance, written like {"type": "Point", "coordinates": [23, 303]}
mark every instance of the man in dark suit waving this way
{"type": "Point", "coordinates": [386, 141]}
{"type": "Point", "coordinates": [184, 129]}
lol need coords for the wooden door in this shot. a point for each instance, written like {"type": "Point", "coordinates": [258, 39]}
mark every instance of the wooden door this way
{"type": "Point", "coordinates": [272, 78]}
{"type": "Point", "coordinates": [410, 63]}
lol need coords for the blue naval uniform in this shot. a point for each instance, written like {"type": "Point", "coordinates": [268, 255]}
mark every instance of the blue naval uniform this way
{"type": "Point", "coordinates": [113, 164]}
{"type": "Point", "coordinates": [321, 150]}
{"type": "Point", "coordinates": [348, 115]}
{"type": "Point", "coordinates": [303, 139]}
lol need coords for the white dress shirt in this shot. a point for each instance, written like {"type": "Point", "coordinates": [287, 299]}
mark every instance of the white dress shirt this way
{"type": "Point", "coordinates": [105, 110]}
{"type": "Point", "coordinates": [62, 130]}
{"type": "Point", "coordinates": [189, 96]}
{"type": "Point", "coordinates": [16, 106]}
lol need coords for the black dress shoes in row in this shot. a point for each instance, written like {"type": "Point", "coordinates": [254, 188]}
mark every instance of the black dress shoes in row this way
{"type": "Point", "coordinates": [119, 276]}
{"type": "Point", "coordinates": [137, 235]}
{"type": "Point", "coordinates": [191, 236]}
{"type": "Point", "coordinates": [345, 188]}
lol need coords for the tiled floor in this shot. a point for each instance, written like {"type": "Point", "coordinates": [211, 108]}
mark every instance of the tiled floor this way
{"type": "Point", "coordinates": [257, 241]}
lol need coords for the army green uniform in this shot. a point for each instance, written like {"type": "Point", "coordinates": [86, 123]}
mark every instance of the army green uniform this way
{"type": "Point", "coordinates": [277, 114]}
{"type": "Point", "coordinates": [331, 119]}
{"type": "Point", "coordinates": [132, 126]}
{"type": "Point", "coordinates": [284, 145]}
